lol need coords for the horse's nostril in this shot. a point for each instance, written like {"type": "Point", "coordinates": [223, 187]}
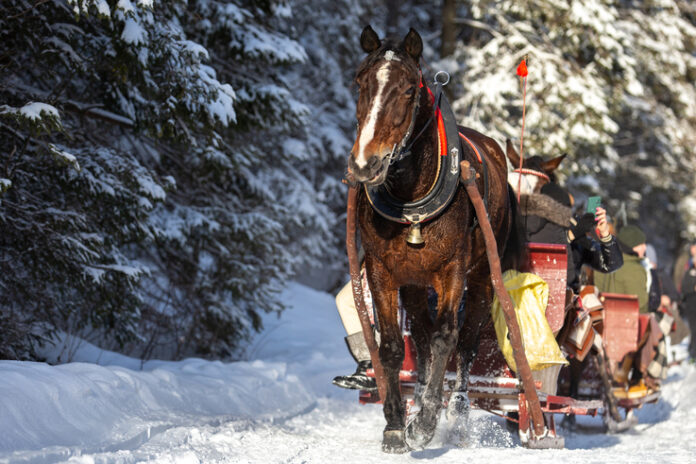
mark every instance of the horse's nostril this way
{"type": "Point", "coordinates": [373, 164]}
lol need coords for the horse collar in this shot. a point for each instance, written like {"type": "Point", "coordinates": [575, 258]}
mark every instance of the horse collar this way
{"type": "Point", "coordinates": [446, 183]}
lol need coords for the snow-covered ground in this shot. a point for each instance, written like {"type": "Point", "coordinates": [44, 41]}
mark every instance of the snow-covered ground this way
{"type": "Point", "coordinates": [278, 407]}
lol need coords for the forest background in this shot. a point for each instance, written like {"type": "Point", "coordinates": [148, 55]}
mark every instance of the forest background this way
{"type": "Point", "coordinates": [167, 166]}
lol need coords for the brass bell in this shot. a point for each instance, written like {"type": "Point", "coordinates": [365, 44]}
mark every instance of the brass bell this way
{"type": "Point", "coordinates": [414, 234]}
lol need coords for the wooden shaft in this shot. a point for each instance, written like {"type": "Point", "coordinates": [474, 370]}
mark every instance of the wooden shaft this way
{"type": "Point", "coordinates": [523, 370]}
{"type": "Point", "coordinates": [356, 284]}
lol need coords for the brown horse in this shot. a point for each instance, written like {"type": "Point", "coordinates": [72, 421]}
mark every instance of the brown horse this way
{"type": "Point", "coordinates": [535, 171]}
{"type": "Point", "coordinates": [395, 113]}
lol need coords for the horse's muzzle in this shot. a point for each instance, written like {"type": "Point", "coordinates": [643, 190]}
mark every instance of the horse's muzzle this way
{"type": "Point", "coordinates": [373, 173]}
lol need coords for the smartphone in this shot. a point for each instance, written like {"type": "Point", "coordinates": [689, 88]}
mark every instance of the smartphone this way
{"type": "Point", "coordinates": [593, 203]}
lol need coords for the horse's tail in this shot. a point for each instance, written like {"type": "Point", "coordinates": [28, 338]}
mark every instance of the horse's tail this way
{"type": "Point", "coordinates": [516, 254]}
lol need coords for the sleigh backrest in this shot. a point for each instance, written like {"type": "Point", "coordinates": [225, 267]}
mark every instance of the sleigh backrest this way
{"type": "Point", "coordinates": [620, 324]}
{"type": "Point", "coordinates": [550, 262]}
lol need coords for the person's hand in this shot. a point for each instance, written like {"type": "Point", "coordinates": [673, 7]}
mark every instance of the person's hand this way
{"type": "Point", "coordinates": [582, 226]}
{"type": "Point", "coordinates": [602, 225]}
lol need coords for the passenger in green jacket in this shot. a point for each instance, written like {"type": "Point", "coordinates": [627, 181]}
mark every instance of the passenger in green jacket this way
{"type": "Point", "coordinates": [632, 277]}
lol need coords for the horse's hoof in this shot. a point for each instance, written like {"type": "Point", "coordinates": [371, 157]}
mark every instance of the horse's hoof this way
{"type": "Point", "coordinates": [458, 406]}
{"type": "Point", "coordinates": [418, 436]}
{"type": "Point", "coordinates": [393, 442]}
{"type": "Point", "coordinates": [458, 418]}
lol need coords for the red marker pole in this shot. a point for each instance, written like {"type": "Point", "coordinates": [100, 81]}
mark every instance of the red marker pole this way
{"type": "Point", "coordinates": [522, 72]}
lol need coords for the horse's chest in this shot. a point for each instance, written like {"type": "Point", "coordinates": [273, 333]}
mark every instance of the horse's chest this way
{"type": "Point", "coordinates": [409, 263]}
{"type": "Point", "coordinates": [385, 241]}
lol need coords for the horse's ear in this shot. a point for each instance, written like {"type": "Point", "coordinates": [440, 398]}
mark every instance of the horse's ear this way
{"type": "Point", "coordinates": [369, 40]}
{"type": "Point", "coordinates": [552, 164]}
{"type": "Point", "coordinates": [413, 44]}
{"type": "Point", "coordinates": [512, 154]}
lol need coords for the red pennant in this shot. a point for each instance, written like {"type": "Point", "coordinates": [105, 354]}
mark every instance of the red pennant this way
{"type": "Point", "coordinates": [522, 69]}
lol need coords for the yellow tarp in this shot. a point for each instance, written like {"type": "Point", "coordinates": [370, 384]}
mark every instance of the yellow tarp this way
{"type": "Point", "coordinates": [530, 295]}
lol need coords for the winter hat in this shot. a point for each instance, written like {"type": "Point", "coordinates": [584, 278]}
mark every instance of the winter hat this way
{"type": "Point", "coordinates": [631, 236]}
{"type": "Point", "coordinates": [651, 254]}
{"type": "Point", "coordinates": [556, 192]}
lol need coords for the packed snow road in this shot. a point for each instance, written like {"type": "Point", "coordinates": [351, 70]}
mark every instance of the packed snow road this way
{"type": "Point", "coordinates": [279, 407]}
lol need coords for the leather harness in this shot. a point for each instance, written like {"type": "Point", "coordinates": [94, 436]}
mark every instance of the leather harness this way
{"type": "Point", "coordinates": [445, 187]}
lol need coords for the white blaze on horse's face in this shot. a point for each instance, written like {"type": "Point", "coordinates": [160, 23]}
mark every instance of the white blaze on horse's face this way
{"type": "Point", "coordinates": [527, 185]}
{"type": "Point", "coordinates": [386, 111]}
{"type": "Point", "coordinates": [367, 132]}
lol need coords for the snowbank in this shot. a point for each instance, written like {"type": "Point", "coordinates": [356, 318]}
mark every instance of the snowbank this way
{"type": "Point", "coordinates": [103, 400]}
{"type": "Point", "coordinates": [279, 406]}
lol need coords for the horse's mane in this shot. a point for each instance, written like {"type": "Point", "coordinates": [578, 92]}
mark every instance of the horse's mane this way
{"type": "Point", "coordinates": [516, 253]}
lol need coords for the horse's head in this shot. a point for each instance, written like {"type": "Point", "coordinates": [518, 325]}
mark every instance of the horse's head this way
{"type": "Point", "coordinates": [535, 171]}
{"type": "Point", "coordinates": [389, 90]}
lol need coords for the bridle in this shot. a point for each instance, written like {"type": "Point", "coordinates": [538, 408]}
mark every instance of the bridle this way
{"type": "Point", "coordinates": [400, 150]}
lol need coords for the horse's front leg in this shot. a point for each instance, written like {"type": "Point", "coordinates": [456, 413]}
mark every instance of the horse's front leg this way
{"type": "Point", "coordinates": [391, 355]}
{"type": "Point", "coordinates": [450, 289]}
{"type": "Point", "coordinates": [415, 302]}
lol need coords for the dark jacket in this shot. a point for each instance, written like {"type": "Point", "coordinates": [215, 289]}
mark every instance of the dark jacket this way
{"type": "Point", "coordinates": [604, 256]}
{"type": "Point", "coordinates": [667, 285]}
{"type": "Point", "coordinates": [547, 221]}
{"type": "Point", "coordinates": [688, 293]}
{"type": "Point", "coordinates": [655, 292]}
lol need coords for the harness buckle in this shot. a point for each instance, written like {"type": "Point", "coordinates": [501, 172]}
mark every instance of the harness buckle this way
{"type": "Point", "coordinates": [454, 167]}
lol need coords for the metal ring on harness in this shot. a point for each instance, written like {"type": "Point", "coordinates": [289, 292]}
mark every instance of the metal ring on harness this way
{"type": "Point", "coordinates": [439, 81]}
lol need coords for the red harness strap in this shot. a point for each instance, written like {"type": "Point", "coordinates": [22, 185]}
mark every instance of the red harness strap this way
{"type": "Point", "coordinates": [442, 136]}
{"type": "Point", "coordinates": [473, 147]}
{"type": "Point", "coordinates": [441, 129]}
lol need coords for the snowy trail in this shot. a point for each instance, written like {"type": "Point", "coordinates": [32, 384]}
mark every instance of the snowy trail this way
{"type": "Point", "coordinates": [278, 408]}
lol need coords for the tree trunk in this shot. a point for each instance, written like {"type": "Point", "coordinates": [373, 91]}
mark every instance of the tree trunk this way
{"type": "Point", "coordinates": [449, 27]}
{"type": "Point", "coordinates": [392, 24]}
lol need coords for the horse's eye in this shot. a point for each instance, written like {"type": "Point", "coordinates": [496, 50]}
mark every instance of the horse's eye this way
{"type": "Point", "coordinates": [410, 91]}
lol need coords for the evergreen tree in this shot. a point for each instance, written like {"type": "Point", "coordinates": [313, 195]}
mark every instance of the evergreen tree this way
{"type": "Point", "coordinates": [75, 197]}
{"type": "Point", "coordinates": [610, 84]}
{"type": "Point", "coordinates": [148, 196]}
